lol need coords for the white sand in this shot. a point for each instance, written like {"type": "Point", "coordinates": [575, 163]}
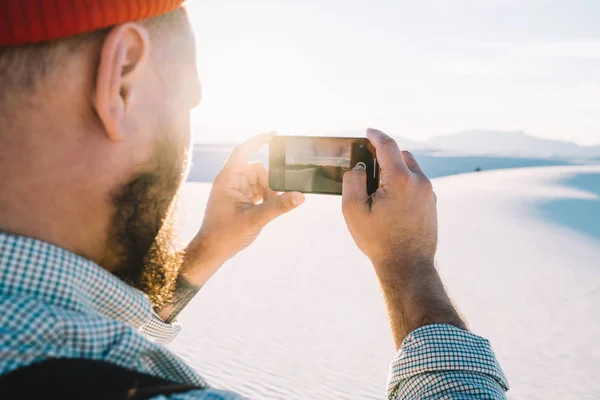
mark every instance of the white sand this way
{"type": "Point", "coordinates": [299, 315]}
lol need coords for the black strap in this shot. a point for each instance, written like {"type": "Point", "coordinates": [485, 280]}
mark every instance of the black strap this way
{"type": "Point", "coordinates": [66, 378]}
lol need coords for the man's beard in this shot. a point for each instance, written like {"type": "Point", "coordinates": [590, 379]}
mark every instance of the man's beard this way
{"type": "Point", "coordinates": [142, 234]}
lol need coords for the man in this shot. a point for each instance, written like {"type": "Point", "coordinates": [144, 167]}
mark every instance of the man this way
{"type": "Point", "coordinates": [94, 137]}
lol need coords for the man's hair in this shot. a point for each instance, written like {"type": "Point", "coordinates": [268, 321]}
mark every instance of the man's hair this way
{"type": "Point", "coordinates": [23, 67]}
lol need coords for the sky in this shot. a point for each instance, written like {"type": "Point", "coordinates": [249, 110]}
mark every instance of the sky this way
{"type": "Point", "coordinates": [414, 69]}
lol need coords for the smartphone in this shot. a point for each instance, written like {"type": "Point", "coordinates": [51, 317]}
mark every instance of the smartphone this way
{"type": "Point", "coordinates": [317, 164]}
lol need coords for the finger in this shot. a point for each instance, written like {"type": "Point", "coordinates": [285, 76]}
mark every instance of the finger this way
{"type": "Point", "coordinates": [257, 174]}
{"type": "Point", "coordinates": [242, 152]}
{"type": "Point", "coordinates": [354, 188]}
{"type": "Point", "coordinates": [243, 186]}
{"type": "Point", "coordinates": [388, 153]}
{"type": "Point", "coordinates": [281, 204]}
{"type": "Point", "coordinates": [412, 164]}
{"type": "Point", "coordinates": [252, 181]}
{"type": "Point", "coordinates": [257, 194]}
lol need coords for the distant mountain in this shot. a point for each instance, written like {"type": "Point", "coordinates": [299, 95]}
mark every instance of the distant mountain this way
{"type": "Point", "coordinates": [514, 143]}
{"type": "Point", "coordinates": [471, 142]}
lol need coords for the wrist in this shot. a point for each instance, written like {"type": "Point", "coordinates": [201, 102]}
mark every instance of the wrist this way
{"type": "Point", "coordinates": [402, 268]}
{"type": "Point", "coordinates": [201, 261]}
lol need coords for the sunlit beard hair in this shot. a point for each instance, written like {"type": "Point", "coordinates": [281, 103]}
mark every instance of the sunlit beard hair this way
{"type": "Point", "coordinates": [142, 233]}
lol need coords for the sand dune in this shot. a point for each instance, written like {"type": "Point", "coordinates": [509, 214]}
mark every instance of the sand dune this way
{"type": "Point", "coordinates": [520, 251]}
{"type": "Point", "coordinates": [298, 315]}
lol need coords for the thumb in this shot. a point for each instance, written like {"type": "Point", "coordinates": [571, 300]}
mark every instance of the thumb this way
{"type": "Point", "coordinates": [279, 205]}
{"type": "Point", "coordinates": [354, 189]}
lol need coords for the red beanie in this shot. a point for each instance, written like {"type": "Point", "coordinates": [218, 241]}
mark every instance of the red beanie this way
{"type": "Point", "coordinates": [33, 21]}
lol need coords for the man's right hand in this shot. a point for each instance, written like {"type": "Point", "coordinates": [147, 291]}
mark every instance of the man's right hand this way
{"type": "Point", "coordinates": [399, 221]}
{"type": "Point", "coordinates": [396, 227]}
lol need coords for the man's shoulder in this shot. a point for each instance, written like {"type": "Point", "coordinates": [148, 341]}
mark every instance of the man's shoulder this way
{"type": "Point", "coordinates": [26, 332]}
{"type": "Point", "coordinates": [25, 315]}
{"type": "Point", "coordinates": [32, 331]}
{"type": "Point", "coordinates": [35, 337]}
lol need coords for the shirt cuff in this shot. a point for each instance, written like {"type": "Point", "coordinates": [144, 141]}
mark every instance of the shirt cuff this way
{"type": "Point", "coordinates": [445, 359]}
{"type": "Point", "coordinates": [158, 331]}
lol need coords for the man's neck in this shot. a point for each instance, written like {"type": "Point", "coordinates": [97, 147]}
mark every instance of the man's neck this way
{"type": "Point", "coordinates": [38, 201]}
{"type": "Point", "coordinates": [25, 220]}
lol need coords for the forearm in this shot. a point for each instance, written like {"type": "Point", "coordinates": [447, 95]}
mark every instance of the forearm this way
{"type": "Point", "coordinates": [415, 296]}
{"type": "Point", "coordinates": [183, 294]}
{"type": "Point", "coordinates": [198, 267]}
{"type": "Point", "coordinates": [437, 357]}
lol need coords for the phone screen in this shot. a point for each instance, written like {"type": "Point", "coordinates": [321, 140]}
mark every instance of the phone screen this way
{"type": "Point", "coordinates": [317, 164]}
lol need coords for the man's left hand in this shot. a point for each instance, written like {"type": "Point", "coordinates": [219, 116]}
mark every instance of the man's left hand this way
{"type": "Point", "coordinates": [240, 205]}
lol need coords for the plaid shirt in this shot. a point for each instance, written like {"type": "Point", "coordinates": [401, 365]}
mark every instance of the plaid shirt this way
{"type": "Point", "coordinates": [56, 304]}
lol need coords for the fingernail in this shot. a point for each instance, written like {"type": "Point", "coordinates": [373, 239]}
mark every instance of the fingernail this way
{"type": "Point", "coordinates": [359, 166]}
{"type": "Point", "coordinates": [297, 198]}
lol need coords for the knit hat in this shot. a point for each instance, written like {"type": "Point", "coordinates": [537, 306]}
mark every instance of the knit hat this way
{"type": "Point", "coordinates": [34, 21]}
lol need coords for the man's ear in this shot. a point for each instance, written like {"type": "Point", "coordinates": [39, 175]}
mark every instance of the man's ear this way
{"type": "Point", "coordinates": [124, 51]}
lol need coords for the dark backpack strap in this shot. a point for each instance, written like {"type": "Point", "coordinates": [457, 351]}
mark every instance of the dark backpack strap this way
{"type": "Point", "coordinates": [66, 378]}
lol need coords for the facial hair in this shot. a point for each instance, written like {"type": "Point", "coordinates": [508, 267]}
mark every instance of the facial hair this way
{"type": "Point", "coordinates": [142, 231]}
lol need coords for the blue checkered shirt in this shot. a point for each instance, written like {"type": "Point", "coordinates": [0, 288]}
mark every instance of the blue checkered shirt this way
{"type": "Point", "coordinates": [56, 304]}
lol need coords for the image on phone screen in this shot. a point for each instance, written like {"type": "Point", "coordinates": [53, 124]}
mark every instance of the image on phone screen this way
{"type": "Point", "coordinates": [317, 164]}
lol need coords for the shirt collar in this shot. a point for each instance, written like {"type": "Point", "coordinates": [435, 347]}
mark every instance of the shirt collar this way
{"type": "Point", "coordinates": [30, 267]}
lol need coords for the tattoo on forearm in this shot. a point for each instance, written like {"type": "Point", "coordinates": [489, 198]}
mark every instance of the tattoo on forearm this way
{"type": "Point", "coordinates": [184, 293]}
